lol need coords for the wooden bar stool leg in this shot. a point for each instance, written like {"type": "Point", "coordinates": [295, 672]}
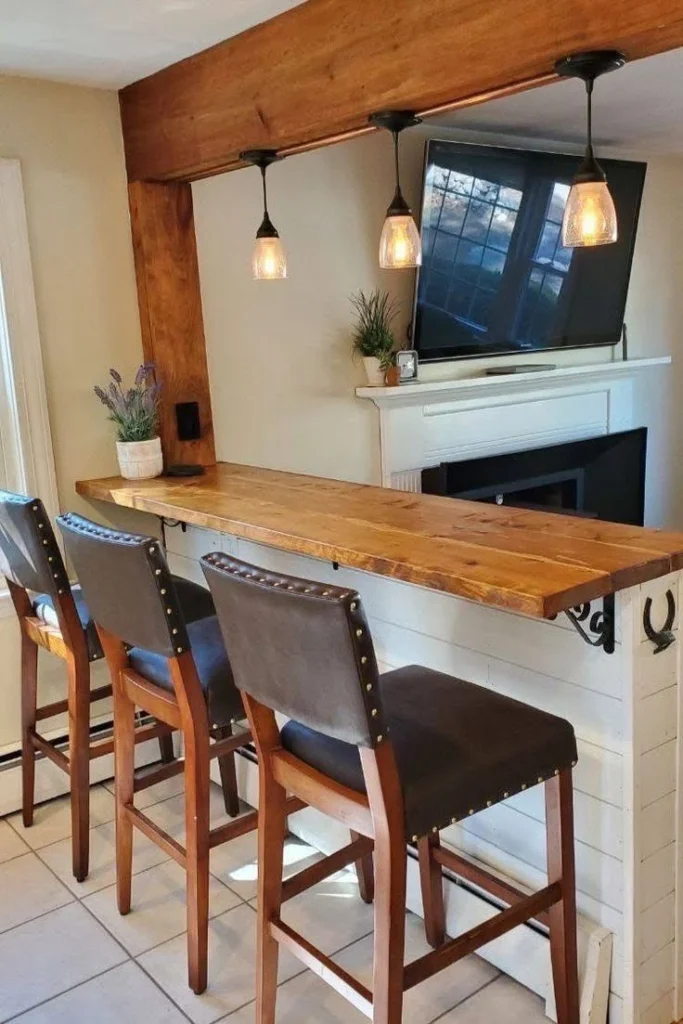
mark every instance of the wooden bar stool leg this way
{"type": "Point", "coordinates": [365, 869]}
{"type": "Point", "coordinates": [79, 762]}
{"type": "Point", "coordinates": [197, 825]}
{"type": "Point", "coordinates": [227, 768]}
{"type": "Point", "coordinates": [29, 699]}
{"type": "Point", "coordinates": [124, 782]}
{"type": "Point", "coordinates": [431, 882]}
{"type": "Point", "coordinates": [386, 806]}
{"type": "Point", "coordinates": [166, 751]}
{"type": "Point", "coordinates": [560, 838]}
{"type": "Point", "coordinates": [271, 843]}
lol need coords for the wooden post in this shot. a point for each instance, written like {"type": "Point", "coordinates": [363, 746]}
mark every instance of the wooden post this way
{"type": "Point", "coordinates": [167, 273]}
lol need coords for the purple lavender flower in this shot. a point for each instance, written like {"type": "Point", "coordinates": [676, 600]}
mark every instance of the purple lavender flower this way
{"type": "Point", "coordinates": [134, 410]}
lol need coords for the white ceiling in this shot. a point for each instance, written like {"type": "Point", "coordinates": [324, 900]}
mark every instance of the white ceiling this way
{"type": "Point", "coordinates": [638, 107]}
{"type": "Point", "coordinates": [110, 43]}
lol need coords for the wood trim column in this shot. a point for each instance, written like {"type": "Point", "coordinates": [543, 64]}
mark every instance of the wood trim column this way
{"type": "Point", "coordinates": [167, 273]}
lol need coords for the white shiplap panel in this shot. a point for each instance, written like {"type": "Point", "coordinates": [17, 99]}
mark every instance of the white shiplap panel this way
{"type": "Point", "coordinates": [657, 876]}
{"type": "Point", "coordinates": [658, 825]}
{"type": "Point", "coordinates": [658, 927]}
{"type": "Point", "coordinates": [658, 772]}
{"type": "Point", "coordinates": [597, 874]}
{"type": "Point", "coordinates": [661, 1012]}
{"type": "Point", "coordinates": [657, 977]}
{"type": "Point", "coordinates": [596, 823]}
{"type": "Point", "coordinates": [658, 719]}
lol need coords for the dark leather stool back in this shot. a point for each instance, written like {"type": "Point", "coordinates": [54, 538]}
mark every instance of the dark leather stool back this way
{"type": "Point", "coordinates": [300, 648]}
{"type": "Point", "coordinates": [127, 585]}
{"type": "Point", "coordinates": [29, 553]}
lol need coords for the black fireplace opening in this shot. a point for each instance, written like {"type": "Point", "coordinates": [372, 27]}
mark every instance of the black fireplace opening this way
{"type": "Point", "coordinates": [599, 477]}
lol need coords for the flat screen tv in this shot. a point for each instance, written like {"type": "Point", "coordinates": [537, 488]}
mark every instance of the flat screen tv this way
{"type": "Point", "coordinates": [495, 278]}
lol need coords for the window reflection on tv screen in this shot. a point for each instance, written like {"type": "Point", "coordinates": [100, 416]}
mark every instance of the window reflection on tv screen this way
{"type": "Point", "coordinates": [495, 276]}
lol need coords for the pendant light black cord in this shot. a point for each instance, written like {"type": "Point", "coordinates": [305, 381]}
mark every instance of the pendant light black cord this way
{"type": "Point", "coordinates": [397, 163]}
{"type": "Point", "coordinates": [265, 194]}
{"type": "Point", "coordinates": [589, 100]}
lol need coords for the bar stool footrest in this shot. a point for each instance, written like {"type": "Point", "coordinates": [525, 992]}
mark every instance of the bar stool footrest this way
{"type": "Point", "coordinates": [324, 967]}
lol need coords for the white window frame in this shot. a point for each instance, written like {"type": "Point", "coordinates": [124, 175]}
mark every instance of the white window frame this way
{"type": "Point", "coordinates": [27, 455]}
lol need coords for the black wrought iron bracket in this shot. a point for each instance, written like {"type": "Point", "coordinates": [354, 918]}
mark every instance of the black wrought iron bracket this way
{"type": "Point", "coordinates": [664, 637]}
{"type": "Point", "coordinates": [595, 627]}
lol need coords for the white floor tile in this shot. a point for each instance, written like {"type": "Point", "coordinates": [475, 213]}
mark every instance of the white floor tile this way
{"type": "Point", "coordinates": [235, 863]}
{"type": "Point", "coordinates": [170, 814]}
{"type": "Point", "coordinates": [10, 843]}
{"type": "Point", "coordinates": [433, 997]}
{"type": "Point", "coordinates": [331, 915]}
{"type": "Point", "coordinates": [28, 889]}
{"type": "Point", "coordinates": [232, 960]}
{"type": "Point", "coordinates": [52, 820]}
{"type": "Point", "coordinates": [158, 912]}
{"type": "Point", "coordinates": [45, 957]}
{"type": "Point", "coordinates": [155, 794]}
{"type": "Point", "coordinates": [307, 999]}
{"type": "Point", "coordinates": [124, 995]}
{"type": "Point", "coordinates": [504, 1001]}
{"type": "Point", "coordinates": [102, 859]}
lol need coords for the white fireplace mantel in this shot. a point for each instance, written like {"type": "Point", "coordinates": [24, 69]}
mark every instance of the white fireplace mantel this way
{"type": "Point", "coordinates": [429, 422]}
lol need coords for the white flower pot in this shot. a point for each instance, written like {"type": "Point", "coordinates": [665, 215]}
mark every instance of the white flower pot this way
{"type": "Point", "coordinates": [140, 460]}
{"type": "Point", "coordinates": [373, 371]}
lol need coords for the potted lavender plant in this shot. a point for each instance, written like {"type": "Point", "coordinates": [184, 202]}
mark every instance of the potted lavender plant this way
{"type": "Point", "coordinates": [135, 412]}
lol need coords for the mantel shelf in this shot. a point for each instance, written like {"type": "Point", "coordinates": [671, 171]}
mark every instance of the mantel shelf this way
{"type": "Point", "coordinates": [482, 386]}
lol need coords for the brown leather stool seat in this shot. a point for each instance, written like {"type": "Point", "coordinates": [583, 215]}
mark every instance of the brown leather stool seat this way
{"type": "Point", "coordinates": [213, 669]}
{"type": "Point", "coordinates": [459, 747]}
{"type": "Point", "coordinates": [195, 602]}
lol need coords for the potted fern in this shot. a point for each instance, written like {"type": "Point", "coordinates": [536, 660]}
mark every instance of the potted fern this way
{"type": "Point", "coordinates": [373, 338]}
{"type": "Point", "coordinates": [135, 413]}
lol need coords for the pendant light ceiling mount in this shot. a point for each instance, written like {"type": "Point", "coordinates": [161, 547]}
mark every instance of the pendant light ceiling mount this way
{"type": "Point", "coordinates": [587, 66]}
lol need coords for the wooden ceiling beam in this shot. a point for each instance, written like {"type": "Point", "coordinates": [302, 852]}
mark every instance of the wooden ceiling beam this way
{"type": "Point", "coordinates": [313, 74]}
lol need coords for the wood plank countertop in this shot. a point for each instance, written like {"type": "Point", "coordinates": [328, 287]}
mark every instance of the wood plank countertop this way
{"type": "Point", "coordinates": [524, 561]}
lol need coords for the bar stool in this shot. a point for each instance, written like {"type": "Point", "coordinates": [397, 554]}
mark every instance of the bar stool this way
{"type": "Point", "coordinates": [396, 758]}
{"type": "Point", "coordinates": [59, 621]}
{"type": "Point", "coordinates": [180, 674]}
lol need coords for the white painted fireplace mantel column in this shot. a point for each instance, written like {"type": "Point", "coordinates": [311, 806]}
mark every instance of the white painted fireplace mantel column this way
{"type": "Point", "coordinates": [424, 424]}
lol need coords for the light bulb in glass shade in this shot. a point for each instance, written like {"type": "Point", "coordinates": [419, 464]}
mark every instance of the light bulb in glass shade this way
{"type": "Point", "coordinates": [399, 244]}
{"type": "Point", "coordinates": [589, 216]}
{"type": "Point", "coordinates": [268, 261]}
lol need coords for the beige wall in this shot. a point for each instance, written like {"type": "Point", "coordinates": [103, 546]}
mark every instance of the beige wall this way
{"type": "Point", "coordinates": [68, 140]}
{"type": "Point", "coordinates": [69, 143]}
{"type": "Point", "coordinates": [282, 376]}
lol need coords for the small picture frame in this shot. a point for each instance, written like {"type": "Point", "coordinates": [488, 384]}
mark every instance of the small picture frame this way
{"type": "Point", "coordinates": [407, 363]}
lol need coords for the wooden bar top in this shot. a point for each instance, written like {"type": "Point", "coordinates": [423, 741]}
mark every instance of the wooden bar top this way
{"type": "Point", "coordinates": [524, 561]}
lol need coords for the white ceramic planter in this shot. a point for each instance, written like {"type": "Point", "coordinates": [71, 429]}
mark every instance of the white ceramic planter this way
{"type": "Point", "coordinates": [140, 460]}
{"type": "Point", "coordinates": [373, 371]}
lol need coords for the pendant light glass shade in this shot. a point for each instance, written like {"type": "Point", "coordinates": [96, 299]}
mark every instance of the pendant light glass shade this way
{"type": "Point", "coordinates": [590, 217]}
{"type": "Point", "coordinates": [399, 244]}
{"type": "Point", "coordinates": [268, 261]}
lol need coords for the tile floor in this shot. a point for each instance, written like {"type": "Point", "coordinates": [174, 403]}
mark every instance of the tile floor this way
{"type": "Point", "coordinates": [66, 956]}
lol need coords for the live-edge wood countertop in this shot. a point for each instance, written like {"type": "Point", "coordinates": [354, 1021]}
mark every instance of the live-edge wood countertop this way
{"type": "Point", "coordinates": [524, 561]}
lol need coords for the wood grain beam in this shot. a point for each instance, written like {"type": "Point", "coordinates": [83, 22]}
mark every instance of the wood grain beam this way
{"type": "Point", "coordinates": [169, 299]}
{"type": "Point", "coordinates": [318, 71]}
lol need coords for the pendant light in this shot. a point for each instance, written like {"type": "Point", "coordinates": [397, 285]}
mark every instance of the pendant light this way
{"type": "Point", "coordinates": [589, 216]}
{"type": "Point", "coordinates": [399, 244]}
{"type": "Point", "coordinates": [268, 260]}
